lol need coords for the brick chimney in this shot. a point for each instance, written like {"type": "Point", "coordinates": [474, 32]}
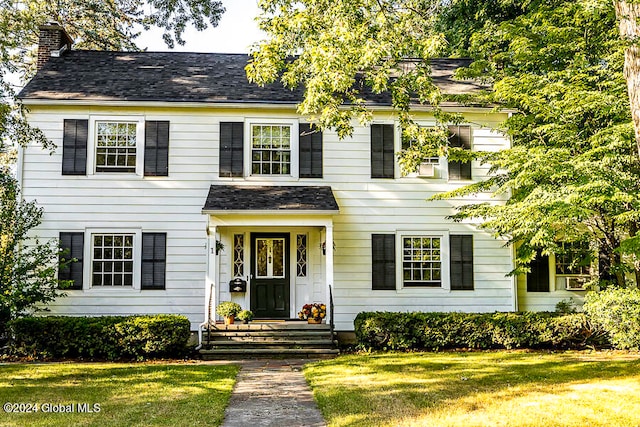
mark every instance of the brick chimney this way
{"type": "Point", "coordinates": [52, 39]}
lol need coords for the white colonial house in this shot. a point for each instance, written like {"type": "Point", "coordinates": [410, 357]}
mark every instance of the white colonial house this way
{"type": "Point", "coordinates": [176, 184]}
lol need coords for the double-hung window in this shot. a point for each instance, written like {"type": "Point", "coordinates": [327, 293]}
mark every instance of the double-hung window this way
{"type": "Point", "coordinates": [574, 259]}
{"type": "Point", "coordinates": [271, 149]}
{"type": "Point", "coordinates": [112, 261]}
{"type": "Point", "coordinates": [422, 261]}
{"type": "Point", "coordinates": [116, 146]}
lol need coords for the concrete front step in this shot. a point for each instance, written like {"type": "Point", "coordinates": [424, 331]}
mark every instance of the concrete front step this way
{"type": "Point", "coordinates": [280, 339]}
{"type": "Point", "coordinates": [214, 354]}
{"type": "Point", "coordinates": [266, 334]}
{"type": "Point", "coordinates": [274, 344]}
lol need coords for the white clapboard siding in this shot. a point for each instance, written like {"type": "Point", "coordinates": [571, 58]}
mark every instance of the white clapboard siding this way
{"type": "Point", "coordinates": [173, 205]}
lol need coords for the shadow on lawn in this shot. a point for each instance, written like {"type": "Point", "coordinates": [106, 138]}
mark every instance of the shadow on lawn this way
{"type": "Point", "coordinates": [420, 382]}
{"type": "Point", "coordinates": [136, 394]}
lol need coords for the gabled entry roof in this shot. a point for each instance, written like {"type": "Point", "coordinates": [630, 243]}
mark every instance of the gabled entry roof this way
{"type": "Point", "coordinates": [277, 198]}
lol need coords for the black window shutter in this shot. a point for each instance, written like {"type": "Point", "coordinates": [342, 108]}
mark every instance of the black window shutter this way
{"type": "Point", "coordinates": [460, 138]}
{"type": "Point", "coordinates": [73, 245]}
{"type": "Point", "coordinates": [538, 277]}
{"type": "Point", "coordinates": [383, 258]}
{"type": "Point", "coordinates": [382, 151]}
{"type": "Point", "coordinates": [154, 260]}
{"type": "Point", "coordinates": [310, 152]}
{"type": "Point", "coordinates": [461, 262]}
{"type": "Point", "coordinates": [156, 148]}
{"type": "Point", "coordinates": [74, 147]}
{"type": "Point", "coordinates": [231, 149]}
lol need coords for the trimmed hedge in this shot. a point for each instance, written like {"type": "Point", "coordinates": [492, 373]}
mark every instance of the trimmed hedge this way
{"type": "Point", "coordinates": [435, 331]}
{"type": "Point", "coordinates": [107, 337]}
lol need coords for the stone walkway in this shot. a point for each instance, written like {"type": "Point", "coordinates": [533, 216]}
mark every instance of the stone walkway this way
{"type": "Point", "coordinates": [272, 393]}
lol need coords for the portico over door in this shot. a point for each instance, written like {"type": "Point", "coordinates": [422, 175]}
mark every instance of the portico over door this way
{"type": "Point", "coordinates": [270, 275]}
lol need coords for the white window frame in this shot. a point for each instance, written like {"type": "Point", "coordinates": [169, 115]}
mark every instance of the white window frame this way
{"type": "Point", "coordinates": [294, 149]}
{"type": "Point", "coordinates": [436, 161]}
{"type": "Point", "coordinates": [445, 284]}
{"type": "Point", "coordinates": [93, 143]}
{"type": "Point", "coordinates": [88, 257]}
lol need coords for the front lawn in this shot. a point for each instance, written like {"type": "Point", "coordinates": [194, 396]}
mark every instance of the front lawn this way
{"type": "Point", "coordinates": [479, 389]}
{"type": "Point", "coordinates": [125, 394]}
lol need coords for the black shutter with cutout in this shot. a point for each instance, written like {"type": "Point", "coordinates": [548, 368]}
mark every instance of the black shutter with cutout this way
{"type": "Point", "coordinates": [383, 258]}
{"type": "Point", "coordinates": [538, 277]}
{"type": "Point", "coordinates": [74, 147]}
{"type": "Point", "coordinates": [231, 149]}
{"type": "Point", "coordinates": [382, 151]}
{"type": "Point", "coordinates": [154, 260]}
{"type": "Point", "coordinates": [73, 246]}
{"type": "Point", "coordinates": [460, 138]}
{"type": "Point", "coordinates": [461, 262]}
{"type": "Point", "coordinates": [310, 152]}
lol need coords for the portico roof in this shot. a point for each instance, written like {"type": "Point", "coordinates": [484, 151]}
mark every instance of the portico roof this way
{"type": "Point", "coordinates": [227, 199]}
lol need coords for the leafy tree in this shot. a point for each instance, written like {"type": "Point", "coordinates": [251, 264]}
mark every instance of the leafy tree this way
{"type": "Point", "coordinates": [573, 172]}
{"type": "Point", "coordinates": [27, 271]}
{"type": "Point", "coordinates": [101, 25]}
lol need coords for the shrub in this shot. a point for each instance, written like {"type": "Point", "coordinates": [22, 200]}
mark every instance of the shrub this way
{"type": "Point", "coordinates": [106, 337]}
{"type": "Point", "coordinates": [617, 312]}
{"type": "Point", "coordinates": [434, 331]}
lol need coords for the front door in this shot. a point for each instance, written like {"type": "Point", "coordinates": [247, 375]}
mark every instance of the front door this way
{"type": "Point", "coordinates": [270, 278]}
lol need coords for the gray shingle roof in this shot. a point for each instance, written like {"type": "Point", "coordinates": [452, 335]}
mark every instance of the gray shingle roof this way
{"type": "Point", "coordinates": [181, 77]}
{"type": "Point", "coordinates": [270, 198]}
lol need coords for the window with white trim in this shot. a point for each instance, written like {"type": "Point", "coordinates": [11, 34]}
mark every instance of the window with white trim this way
{"type": "Point", "coordinates": [112, 261]}
{"type": "Point", "coordinates": [407, 143]}
{"type": "Point", "coordinates": [574, 259]}
{"type": "Point", "coordinates": [422, 261]}
{"type": "Point", "coordinates": [116, 146]}
{"type": "Point", "coordinates": [271, 149]}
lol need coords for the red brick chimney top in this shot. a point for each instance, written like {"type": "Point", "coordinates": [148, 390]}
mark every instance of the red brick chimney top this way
{"type": "Point", "coordinates": [53, 38]}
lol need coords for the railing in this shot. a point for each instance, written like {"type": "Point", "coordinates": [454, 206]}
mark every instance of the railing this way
{"type": "Point", "coordinates": [209, 313]}
{"type": "Point", "coordinates": [331, 324]}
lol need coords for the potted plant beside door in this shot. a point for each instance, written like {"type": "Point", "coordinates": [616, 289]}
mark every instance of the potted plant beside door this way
{"type": "Point", "coordinates": [313, 313]}
{"type": "Point", "coordinates": [228, 310]}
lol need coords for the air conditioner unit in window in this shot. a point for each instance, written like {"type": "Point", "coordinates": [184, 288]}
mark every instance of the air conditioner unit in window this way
{"type": "Point", "coordinates": [575, 283]}
{"type": "Point", "coordinates": [427, 170]}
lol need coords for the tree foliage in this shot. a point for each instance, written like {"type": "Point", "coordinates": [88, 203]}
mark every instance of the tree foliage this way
{"type": "Point", "coordinates": [573, 171]}
{"type": "Point", "coordinates": [27, 271]}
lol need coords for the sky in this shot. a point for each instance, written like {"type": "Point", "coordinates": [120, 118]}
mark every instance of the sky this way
{"type": "Point", "coordinates": [235, 33]}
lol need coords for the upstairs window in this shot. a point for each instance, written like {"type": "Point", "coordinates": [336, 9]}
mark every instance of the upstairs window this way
{"type": "Point", "coordinates": [116, 146]}
{"type": "Point", "coordinates": [574, 259]}
{"type": "Point", "coordinates": [270, 149]}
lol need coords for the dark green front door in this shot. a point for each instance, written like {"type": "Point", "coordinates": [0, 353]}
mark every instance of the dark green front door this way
{"type": "Point", "coordinates": [270, 276]}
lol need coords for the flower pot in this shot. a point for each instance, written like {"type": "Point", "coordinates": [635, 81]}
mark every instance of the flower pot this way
{"type": "Point", "coordinates": [245, 321]}
{"type": "Point", "coordinates": [313, 321]}
{"type": "Point", "coordinates": [229, 320]}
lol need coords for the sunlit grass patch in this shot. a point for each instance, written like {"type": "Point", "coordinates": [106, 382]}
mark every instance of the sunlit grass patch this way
{"type": "Point", "coordinates": [479, 389]}
{"type": "Point", "coordinates": [127, 394]}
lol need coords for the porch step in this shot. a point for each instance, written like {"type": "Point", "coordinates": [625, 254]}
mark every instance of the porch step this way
{"type": "Point", "coordinates": [216, 354]}
{"type": "Point", "coordinates": [263, 339]}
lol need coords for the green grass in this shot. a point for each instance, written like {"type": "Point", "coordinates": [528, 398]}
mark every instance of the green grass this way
{"type": "Point", "coordinates": [479, 389]}
{"type": "Point", "coordinates": [128, 394]}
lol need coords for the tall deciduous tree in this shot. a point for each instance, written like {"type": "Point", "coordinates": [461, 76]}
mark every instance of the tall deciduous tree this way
{"type": "Point", "coordinates": [573, 172]}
